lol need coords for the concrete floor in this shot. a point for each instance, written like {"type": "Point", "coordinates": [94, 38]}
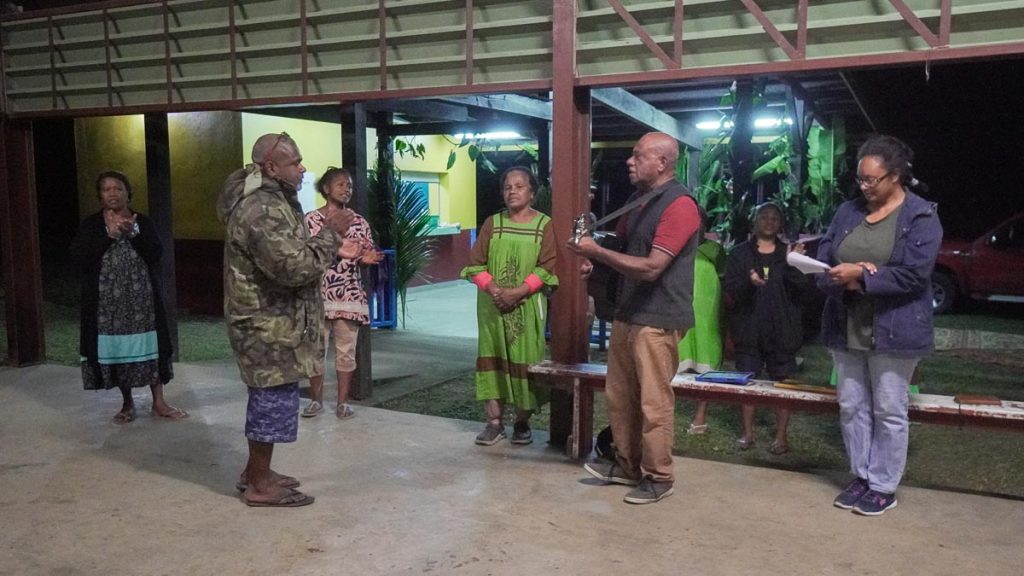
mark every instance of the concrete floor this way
{"type": "Point", "coordinates": [407, 494]}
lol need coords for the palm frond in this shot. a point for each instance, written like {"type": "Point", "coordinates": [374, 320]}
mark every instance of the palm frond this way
{"type": "Point", "coordinates": [400, 218]}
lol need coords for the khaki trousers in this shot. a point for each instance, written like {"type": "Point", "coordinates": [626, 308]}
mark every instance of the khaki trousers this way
{"type": "Point", "coordinates": [641, 405]}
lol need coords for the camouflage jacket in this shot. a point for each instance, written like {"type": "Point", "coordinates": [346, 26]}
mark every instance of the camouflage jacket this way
{"type": "Point", "coordinates": [272, 276]}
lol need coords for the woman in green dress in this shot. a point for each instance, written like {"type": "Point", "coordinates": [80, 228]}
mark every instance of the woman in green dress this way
{"type": "Point", "coordinates": [512, 262]}
{"type": "Point", "coordinates": [700, 349]}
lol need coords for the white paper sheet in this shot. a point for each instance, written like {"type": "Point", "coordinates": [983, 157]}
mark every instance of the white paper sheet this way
{"type": "Point", "coordinates": [806, 264]}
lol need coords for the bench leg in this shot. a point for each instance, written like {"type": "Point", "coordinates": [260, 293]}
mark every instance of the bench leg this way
{"type": "Point", "coordinates": [582, 438]}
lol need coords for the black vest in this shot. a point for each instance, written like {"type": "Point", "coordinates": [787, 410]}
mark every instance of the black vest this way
{"type": "Point", "coordinates": [667, 302]}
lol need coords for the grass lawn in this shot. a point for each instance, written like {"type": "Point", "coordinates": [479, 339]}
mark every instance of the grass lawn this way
{"type": "Point", "coordinates": [968, 459]}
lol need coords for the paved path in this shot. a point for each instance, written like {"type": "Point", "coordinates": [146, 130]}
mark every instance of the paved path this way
{"type": "Point", "coordinates": [407, 494]}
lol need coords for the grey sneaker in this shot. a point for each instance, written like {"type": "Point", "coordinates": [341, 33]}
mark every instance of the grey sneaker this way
{"type": "Point", "coordinates": [853, 492]}
{"type": "Point", "coordinates": [649, 492]}
{"type": "Point", "coordinates": [521, 433]}
{"type": "Point", "coordinates": [610, 472]}
{"type": "Point", "coordinates": [492, 434]}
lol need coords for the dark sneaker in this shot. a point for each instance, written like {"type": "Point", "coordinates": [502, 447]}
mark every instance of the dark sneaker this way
{"type": "Point", "coordinates": [649, 492]}
{"type": "Point", "coordinates": [492, 434]}
{"type": "Point", "coordinates": [611, 473]}
{"type": "Point", "coordinates": [853, 492]}
{"type": "Point", "coordinates": [521, 433]}
{"type": "Point", "coordinates": [874, 503]}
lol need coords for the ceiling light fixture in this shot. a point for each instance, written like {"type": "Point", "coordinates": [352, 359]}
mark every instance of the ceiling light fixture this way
{"type": "Point", "coordinates": [506, 135]}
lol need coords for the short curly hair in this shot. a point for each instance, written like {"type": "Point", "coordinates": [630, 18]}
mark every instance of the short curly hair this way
{"type": "Point", "coordinates": [325, 181]}
{"type": "Point", "coordinates": [119, 176]}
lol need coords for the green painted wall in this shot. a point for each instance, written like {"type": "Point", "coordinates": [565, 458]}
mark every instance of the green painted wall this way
{"type": "Point", "coordinates": [204, 150]}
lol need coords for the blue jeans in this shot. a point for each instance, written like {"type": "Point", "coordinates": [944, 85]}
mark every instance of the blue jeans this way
{"type": "Point", "coordinates": [873, 398]}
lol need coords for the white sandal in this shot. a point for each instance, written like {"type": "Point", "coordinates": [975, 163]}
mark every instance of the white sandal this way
{"type": "Point", "coordinates": [344, 412]}
{"type": "Point", "coordinates": [697, 429]}
{"type": "Point", "coordinates": [312, 409]}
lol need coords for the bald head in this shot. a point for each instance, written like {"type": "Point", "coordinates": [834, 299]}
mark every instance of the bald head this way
{"type": "Point", "coordinates": [273, 147]}
{"type": "Point", "coordinates": [279, 158]}
{"type": "Point", "coordinates": [653, 161]}
{"type": "Point", "coordinates": [661, 144]}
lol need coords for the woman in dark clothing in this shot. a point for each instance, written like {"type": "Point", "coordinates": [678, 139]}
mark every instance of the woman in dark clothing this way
{"type": "Point", "coordinates": [765, 316]}
{"type": "Point", "coordinates": [124, 341]}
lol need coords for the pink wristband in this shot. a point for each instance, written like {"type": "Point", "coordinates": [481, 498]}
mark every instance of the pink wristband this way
{"type": "Point", "coordinates": [534, 283]}
{"type": "Point", "coordinates": [482, 279]}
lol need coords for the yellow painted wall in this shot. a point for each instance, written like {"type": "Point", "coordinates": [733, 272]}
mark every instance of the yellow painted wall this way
{"type": "Point", "coordinates": [457, 186]}
{"type": "Point", "coordinates": [110, 143]}
{"type": "Point", "coordinates": [207, 146]}
{"type": "Point", "coordinates": [319, 142]}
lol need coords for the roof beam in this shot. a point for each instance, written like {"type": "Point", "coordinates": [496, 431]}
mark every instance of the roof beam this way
{"type": "Point", "coordinates": [639, 110]}
{"type": "Point", "coordinates": [510, 103]}
{"type": "Point", "coordinates": [427, 128]}
{"type": "Point", "coordinates": [421, 109]}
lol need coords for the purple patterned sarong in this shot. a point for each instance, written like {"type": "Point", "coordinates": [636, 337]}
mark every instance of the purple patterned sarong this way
{"type": "Point", "coordinates": [272, 415]}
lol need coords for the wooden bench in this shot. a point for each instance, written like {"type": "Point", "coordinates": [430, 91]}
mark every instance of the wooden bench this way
{"type": "Point", "coordinates": [583, 379]}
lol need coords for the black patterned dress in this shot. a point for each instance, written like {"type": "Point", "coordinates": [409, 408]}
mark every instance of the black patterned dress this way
{"type": "Point", "coordinates": [124, 342]}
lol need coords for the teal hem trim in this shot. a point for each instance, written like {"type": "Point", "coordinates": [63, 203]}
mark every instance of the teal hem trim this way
{"type": "Point", "coordinates": [127, 348]}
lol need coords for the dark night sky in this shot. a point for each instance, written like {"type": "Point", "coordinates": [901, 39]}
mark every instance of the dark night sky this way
{"type": "Point", "coordinates": [966, 127]}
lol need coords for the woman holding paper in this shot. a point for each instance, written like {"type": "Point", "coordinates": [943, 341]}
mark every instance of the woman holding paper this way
{"type": "Point", "coordinates": [765, 316]}
{"type": "Point", "coordinates": [878, 315]}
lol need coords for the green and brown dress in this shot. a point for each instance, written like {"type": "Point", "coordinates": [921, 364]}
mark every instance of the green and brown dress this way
{"type": "Point", "coordinates": [509, 343]}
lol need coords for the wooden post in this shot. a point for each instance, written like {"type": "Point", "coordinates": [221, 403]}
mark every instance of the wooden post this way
{"type": "Point", "coordinates": [19, 241]}
{"type": "Point", "coordinates": [158, 185]}
{"type": "Point", "coordinates": [353, 156]}
{"type": "Point", "coordinates": [570, 186]}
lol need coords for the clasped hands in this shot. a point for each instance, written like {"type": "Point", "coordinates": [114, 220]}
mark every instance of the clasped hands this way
{"type": "Point", "coordinates": [507, 299]}
{"type": "Point", "coordinates": [362, 250]}
{"type": "Point", "coordinates": [118, 226]}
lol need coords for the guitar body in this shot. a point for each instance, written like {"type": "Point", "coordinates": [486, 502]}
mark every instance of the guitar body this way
{"type": "Point", "coordinates": [603, 284]}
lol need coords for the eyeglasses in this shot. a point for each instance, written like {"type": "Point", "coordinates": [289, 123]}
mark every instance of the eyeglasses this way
{"type": "Point", "coordinates": [871, 181]}
{"type": "Point", "coordinates": [280, 137]}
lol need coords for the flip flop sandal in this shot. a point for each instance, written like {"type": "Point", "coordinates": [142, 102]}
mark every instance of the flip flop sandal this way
{"type": "Point", "coordinates": [292, 500]}
{"type": "Point", "coordinates": [344, 412]}
{"type": "Point", "coordinates": [313, 409]}
{"type": "Point", "coordinates": [174, 414]}
{"type": "Point", "coordinates": [697, 429]}
{"type": "Point", "coordinates": [124, 417]}
{"type": "Point", "coordinates": [778, 448]}
{"type": "Point", "coordinates": [743, 444]}
{"type": "Point", "coordinates": [283, 482]}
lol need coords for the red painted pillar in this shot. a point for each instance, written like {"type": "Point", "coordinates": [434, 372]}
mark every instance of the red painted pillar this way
{"type": "Point", "coordinates": [570, 184]}
{"type": "Point", "coordinates": [19, 241]}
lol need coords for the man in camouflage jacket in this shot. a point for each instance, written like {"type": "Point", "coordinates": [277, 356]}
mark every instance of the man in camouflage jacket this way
{"type": "Point", "coordinates": [272, 304]}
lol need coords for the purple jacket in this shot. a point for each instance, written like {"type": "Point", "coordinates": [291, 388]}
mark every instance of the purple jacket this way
{"type": "Point", "coordinates": [901, 289]}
